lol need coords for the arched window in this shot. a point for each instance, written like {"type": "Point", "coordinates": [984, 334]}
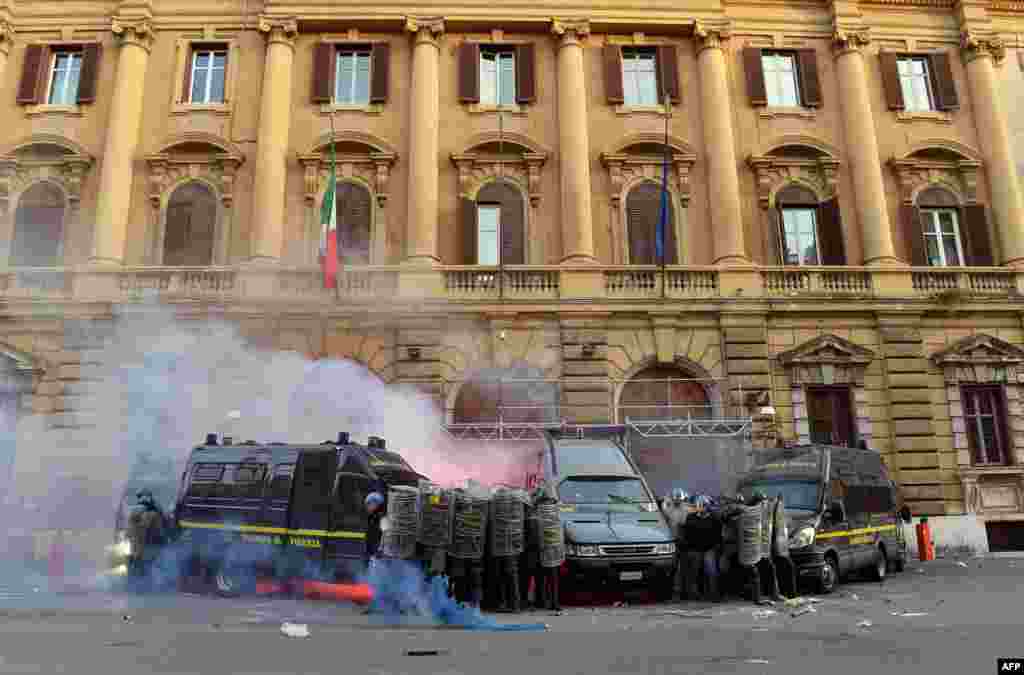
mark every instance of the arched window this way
{"type": "Point", "coordinates": [355, 220]}
{"type": "Point", "coordinates": [643, 211]}
{"type": "Point", "coordinates": [941, 232]}
{"type": "Point", "coordinates": [517, 395]}
{"type": "Point", "coordinates": [190, 226]}
{"type": "Point", "coordinates": [494, 226]}
{"type": "Point", "coordinates": [809, 232]}
{"type": "Point", "coordinates": [661, 392]}
{"type": "Point", "coordinates": [39, 227]}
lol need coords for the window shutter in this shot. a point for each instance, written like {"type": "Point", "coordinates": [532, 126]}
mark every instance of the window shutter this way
{"type": "Point", "coordinates": [613, 89]}
{"type": "Point", "coordinates": [468, 226]}
{"type": "Point", "coordinates": [810, 85]}
{"type": "Point", "coordinates": [668, 73]}
{"type": "Point", "coordinates": [513, 234]}
{"type": "Point", "coordinates": [643, 208]}
{"type": "Point", "coordinates": [671, 246]}
{"type": "Point", "coordinates": [755, 76]}
{"type": "Point", "coordinates": [977, 244]}
{"type": "Point", "coordinates": [186, 86]}
{"type": "Point", "coordinates": [31, 74]}
{"type": "Point", "coordinates": [469, 76]}
{"type": "Point", "coordinates": [526, 77]}
{"type": "Point", "coordinates": [891, 80]}
{"type": "Point", "coordinates": [380, 67]}
{"type": "Point", "coordinates": [942, 79]}
{"type": "Point", "coordinates": [913, 234]}
{"type": "Point", "coordinates": [355, 214]}
{"type": "Point", "coordinates": [842, 421]}
{"type": "Point", "coordinates": [89, 74]}
{"type": "Point", "coordinates": [776, 244]}
{"type": "Point", "coordinates": [830, 233]}
{"type": "Point", "coordinates": [323, 72]}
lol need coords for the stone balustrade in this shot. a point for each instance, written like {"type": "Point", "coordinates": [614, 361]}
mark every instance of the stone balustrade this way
{"type": "Point", "coordinates": [518, 284]}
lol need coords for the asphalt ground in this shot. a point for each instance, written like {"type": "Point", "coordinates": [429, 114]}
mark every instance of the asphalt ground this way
{"type": "Point", "coordinates": [946, 616]}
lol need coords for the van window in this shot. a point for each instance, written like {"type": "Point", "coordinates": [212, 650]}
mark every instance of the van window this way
{"type": "Point", "coordinates": [244, 481]}
{"type": "Point", "coordinates": [281, 483]}
{"type": "Point", "coordinates": [603, 491]}
{"type": "Point", "coordinates": [571, 458]}
{"type": "Point", "coordinates": [351, 491]}
{"type": "Point", "coordinates": [204, 480]}
{"type": "Point", "coordinates": [796, 494]}
{"type": "Point", "coordinates": [869, 499]}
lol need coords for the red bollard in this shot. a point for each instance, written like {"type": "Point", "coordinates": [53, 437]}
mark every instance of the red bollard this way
{"type": "Point", "coordinates": [925, 545]}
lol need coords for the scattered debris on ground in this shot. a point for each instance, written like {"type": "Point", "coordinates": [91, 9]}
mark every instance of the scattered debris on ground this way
{"type": "Point", "coordinates": [763, 613]}
{"type": "Point", "coordinates": [909, 614]}
{"type": "Point", "coordinates": [295, 630]}
{"type": "Point", "coordinates": [806, 609]}
{"type": "Point", "coordinates": [126, 618]}
{"type": "Point", "coordinates": [689, 614]}
{"type": "Point", "coordinates": [762, 661]}
{"type": "Point", "coordinates": [426, 652]}
{"type": "Point", "coordinates": [865, 624]}
{"type": "Point", "coordinates": [961, 563]}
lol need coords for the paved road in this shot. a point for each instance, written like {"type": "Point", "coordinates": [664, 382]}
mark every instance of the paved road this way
{"type": "Point", "coordinates": [957, 620]}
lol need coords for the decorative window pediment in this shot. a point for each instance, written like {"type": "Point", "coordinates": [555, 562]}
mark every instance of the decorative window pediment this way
{"type": "Point", "coordinates": [628, 166]}
{"type": "Point", "coordinates": [43, 158]}
{"type": "Point", "coordinates": [772, 172]}
{"type": "Point", "coordinates": [953, 167]}
{"type": "Point", "coordinates": [477, 168]}
{"type": "Point", "coordinates": [373, 168]}
{"type": "Point", "coordinates": [981, 359]}
{"type": "Point", "coordinates": [827, 359]}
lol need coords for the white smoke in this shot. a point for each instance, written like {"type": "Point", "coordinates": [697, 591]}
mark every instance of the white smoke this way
{"type": "Point", "coordinates": [154, 386]}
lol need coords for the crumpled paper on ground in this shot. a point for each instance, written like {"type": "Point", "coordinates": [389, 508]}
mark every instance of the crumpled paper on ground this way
{"type": "Point", "coordinates": [295, 630]}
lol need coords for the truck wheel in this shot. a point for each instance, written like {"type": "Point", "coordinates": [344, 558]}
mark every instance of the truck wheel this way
{"type": "Point", "coordinates": [881, 566]}
{"type": "Point", "coordinates": [829, 575]}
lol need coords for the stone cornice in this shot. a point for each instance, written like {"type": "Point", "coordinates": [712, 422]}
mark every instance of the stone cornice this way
{"type": "Point", "coordinates": [134, 31]}
{"type": "Point", "coordinates": [976, 45]}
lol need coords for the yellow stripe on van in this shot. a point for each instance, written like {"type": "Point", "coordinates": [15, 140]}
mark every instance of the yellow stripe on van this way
{"type": "Point", "coordinates": [854, 533]}
{"type": "Point", "coordinates": [262, 529]}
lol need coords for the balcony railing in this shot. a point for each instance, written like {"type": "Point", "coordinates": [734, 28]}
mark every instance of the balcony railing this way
{"type": "Point", "coordinates": [817, 281]}
{"type": "Point", "coordinates": [518, 284]}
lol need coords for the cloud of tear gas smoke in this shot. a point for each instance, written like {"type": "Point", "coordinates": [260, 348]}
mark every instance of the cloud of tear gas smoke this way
{"type": "Point", "coordinates": [156, 385]}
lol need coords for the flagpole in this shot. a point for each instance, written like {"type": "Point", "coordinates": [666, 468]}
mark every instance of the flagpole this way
{"type": "Point", "coordinates": [334, 205]}
{"type": "Point", "coordinates": [501, 159]}
{"type": "Point", "coordinates": [664, 197]}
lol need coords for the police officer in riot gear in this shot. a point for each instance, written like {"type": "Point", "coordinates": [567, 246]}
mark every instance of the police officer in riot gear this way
{"type": "Point", "coordinates": [676, 509]}
{"type": "Point", "coordinates": [374, 503]}
{"type": "Point", "coordinates": [147, 533]}
{"type": "Point", "coordinates": [703, 539]}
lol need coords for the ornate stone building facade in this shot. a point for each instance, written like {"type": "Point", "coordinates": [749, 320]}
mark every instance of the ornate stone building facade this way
{"type": "Point", "coordinates": [846, 221]}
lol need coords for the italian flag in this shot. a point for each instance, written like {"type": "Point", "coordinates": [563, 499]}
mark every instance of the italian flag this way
{"type": "Point", "coordinates": [329, 231]}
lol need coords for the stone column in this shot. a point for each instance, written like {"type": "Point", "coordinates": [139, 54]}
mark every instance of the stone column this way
{"type": "Point", "coordinates": [862, 146]}
{"type": "Point", "coordinates": [574, 143]}
{"type": "Point", "coordinates": [980, 56]}
{"type": "Point", "coordinates": [424, 148]}
{"type": "Point", "coordinates": [114, 195]}
{"type": "Point", "coordinates": [272, 140]}
{"type": "Point", "coordinates": [719, 139]}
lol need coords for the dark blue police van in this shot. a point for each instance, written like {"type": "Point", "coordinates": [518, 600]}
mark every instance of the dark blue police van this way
{"type": "Point", "coordinates": [282, 510]}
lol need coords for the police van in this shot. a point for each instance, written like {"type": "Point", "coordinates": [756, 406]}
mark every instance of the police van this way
{"type": "Point", "coordinates": [841, 510]}
{"type": "Point", "coordinates": [280, 509]}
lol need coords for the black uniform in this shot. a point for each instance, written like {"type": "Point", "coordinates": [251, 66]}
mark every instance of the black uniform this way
{"type": "Point", "coordinates": [703, 541]}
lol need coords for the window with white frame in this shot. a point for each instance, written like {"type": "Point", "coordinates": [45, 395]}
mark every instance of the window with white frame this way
{"type": "Point", "coordinates": [352, 77]}
{"type": "Point", "coordinates": [800, 236]}
{"type": "Point", "coordinates": [207, 77]}
{"type": "Point", "coordinates": [780, 79]}
{"type": "Point", "coordinates": [916, 84]}
{"type": "Point", "coordinates": [65, 70]}
{"type": "Point", "coordinates": [942, 237]}
{"type": "Point", "coordinates": [639, 77]}
{"type": "Point", "coordinates": [488, 222]}
{"type": "Point", "coordinates": [497, 77]}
